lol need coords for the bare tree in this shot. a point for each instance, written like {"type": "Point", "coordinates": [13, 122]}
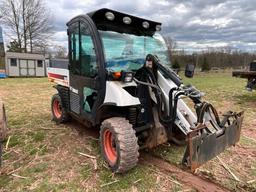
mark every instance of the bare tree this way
{"type": "Point", "coordinates": [10, 16]}
{"type": "Point", "coordinates": [171, 44]}
{"type": "Point", "coordinates": [29, 21]}
{"type": "Point", "coordinates": [24, 19]}
{"type": "Point", "coordinates": [60, 51]}
{"type": "Point", "coordinates": [39, 21]}
{"type": "Point", "coordinates": [41, 47]}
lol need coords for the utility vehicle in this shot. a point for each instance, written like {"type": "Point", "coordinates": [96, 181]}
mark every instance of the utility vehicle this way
{"type": "Point", "coordinates": [118, 80]}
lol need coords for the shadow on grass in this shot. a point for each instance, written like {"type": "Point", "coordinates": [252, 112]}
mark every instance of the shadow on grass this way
{"type": "Point", "coordinates": [83, 130]}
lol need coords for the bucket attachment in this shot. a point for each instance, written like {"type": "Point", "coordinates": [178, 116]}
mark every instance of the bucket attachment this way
{"type": "Point", "coordinates": [203, 144]}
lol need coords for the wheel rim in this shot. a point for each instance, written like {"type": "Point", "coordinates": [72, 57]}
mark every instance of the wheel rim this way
{"type": "Point", "coordinates": [57, 108]}
{"type": "Point", "coordinates": [109, 146]}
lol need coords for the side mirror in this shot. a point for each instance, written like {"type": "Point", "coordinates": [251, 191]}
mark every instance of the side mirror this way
{"type": "Point", "coordinates": [189, 70]}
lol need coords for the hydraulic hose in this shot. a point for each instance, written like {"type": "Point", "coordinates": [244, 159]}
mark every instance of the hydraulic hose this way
{"type": "Point", "coordinates": [147, 84]}
{"type": "Point", "coordinates": [169, 120]}
{"type": "Point", "coordinates": [159, 98]}
{"type": "Point", "coordinates": [173, 112]}
{"type": "Point", "coordinates": [206, 107]}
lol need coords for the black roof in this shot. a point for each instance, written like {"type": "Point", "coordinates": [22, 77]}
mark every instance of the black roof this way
{"type": "Point", "coordinates": [102, 23]}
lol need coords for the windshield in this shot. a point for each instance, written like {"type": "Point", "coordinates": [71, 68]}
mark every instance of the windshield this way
{"type": "Point", "coordinates": [128, 52]}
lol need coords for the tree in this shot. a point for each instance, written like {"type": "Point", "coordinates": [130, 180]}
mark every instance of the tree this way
{"type": "Point", "coordinates": [205, 65]}
{"type": "Point", "coordinates": [38, 22]}
{"type": "Point", "coordinates": [41, 48]}
{"type": "Point", "coordinates": [171, 44]}
{"type": "Point", "coordinates": [60, 51]}
{"type": "Point", "coordinates": [28, 21]}
{"type": "Point", "coordinates": [176, 64]}
{"type": "Point", "coordinates": [10, 16]}
{"type": "Point", "coordinates": [14, 46]}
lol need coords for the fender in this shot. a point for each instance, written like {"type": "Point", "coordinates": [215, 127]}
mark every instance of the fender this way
{"type": "Point", "coordinates": [117, 95]}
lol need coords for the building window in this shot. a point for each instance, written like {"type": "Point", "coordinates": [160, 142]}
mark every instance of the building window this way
{"type": "Point", "coordinates": [39, 63]}
{"type": "Point", "coordinates": [13, 62]}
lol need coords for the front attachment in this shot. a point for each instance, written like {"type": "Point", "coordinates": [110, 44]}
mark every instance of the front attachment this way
{"type": "Point", "coordinates": [203, 144]}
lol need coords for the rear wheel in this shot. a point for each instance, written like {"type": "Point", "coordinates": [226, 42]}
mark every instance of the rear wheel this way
{"type": "Point", "coordinates": [59, 113]}
{"type": "Point", "coordinates": [119, 144]}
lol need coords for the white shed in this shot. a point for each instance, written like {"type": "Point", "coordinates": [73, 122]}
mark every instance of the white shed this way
{"type": "Point", "coordinates": [25, 65]}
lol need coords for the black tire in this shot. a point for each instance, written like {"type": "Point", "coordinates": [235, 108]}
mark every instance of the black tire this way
{"type": "Point", "coordinates": [123, 142]}
{"type": "Point", "coordinates": [59, 113]}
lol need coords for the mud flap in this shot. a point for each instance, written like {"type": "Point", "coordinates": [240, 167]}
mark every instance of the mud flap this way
{"type": "Point", "coordinates": [205, 146]}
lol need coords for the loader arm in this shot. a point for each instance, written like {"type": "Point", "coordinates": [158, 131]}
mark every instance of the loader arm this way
{"type": "Point", "coordinates": [207, 134]}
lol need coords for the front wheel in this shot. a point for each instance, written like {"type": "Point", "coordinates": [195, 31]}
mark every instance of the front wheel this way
{"type": "Point", "coordinates": [119, 144]}
{"type": "Point", "coordinates": [59, 113]}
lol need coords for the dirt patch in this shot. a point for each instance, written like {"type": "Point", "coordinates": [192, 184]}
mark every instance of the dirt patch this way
{"type": "Point", "coordinates": [250, 129]}
{"type": "Point", "coordinates": [187, 178]}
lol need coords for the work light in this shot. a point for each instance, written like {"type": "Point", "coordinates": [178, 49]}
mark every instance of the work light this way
{"type": "Point", "coordinates": [145, 24]}
{"type": "Point", "coordinates": [127, 20]}
{"type": "Point", "coordinates": [158, 27]}
{"type": "Point", "coordinates": [110, 16]}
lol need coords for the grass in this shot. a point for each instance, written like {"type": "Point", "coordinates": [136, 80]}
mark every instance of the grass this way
{"type": "Point", "coordinates": [171, 153]}
{"type": "Point", "coordinates": [138, 177]}
{"type": "Point", "coordinates": [227, 93]}
{"type": "Point", "coordinates": [49, 159]}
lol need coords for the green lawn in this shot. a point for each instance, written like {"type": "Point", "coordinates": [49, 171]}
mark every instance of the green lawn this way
{"type": "Point", "coordinates": [47, 158]}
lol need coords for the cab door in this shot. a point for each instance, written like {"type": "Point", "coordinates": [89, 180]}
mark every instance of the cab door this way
{"type": "Point", "coordinates": [85, 70]}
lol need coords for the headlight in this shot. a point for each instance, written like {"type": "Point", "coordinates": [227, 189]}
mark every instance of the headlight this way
{"type": "Point", "coordinates": [127, 77]}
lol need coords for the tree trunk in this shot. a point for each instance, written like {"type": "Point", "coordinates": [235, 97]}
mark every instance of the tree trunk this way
{"type": "Point", "coordinates": [16, 20]}
{"type": "Point", "coordinates": [31, 43]}
{"type": "Point", "coordinates": [24, 25]}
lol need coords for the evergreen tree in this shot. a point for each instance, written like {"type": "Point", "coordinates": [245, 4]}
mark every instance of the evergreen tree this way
{"type": "Point", "coordinates": [205, 65]}
{"type": "Point", "coordinates": [14, 47]}
{"type": "Point", "coordinates": [176, 64]}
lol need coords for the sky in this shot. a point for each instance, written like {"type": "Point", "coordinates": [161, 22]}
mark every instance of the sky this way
{"type": "Point", "coordinates": [194, 24]}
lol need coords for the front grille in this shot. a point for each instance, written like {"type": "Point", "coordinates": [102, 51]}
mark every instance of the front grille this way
{"type": "Point", "coordinates": [74, 102]}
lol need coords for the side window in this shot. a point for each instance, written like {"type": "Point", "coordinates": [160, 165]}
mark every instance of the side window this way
{"type": "Point", "coordinates": [87, 52]}
{"type": "Point", "coordinates": [13, 62]}
{"type": "Point", "coordinates": [39, 63]}
{"type": "Point", "coordinates": [74, 48]}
